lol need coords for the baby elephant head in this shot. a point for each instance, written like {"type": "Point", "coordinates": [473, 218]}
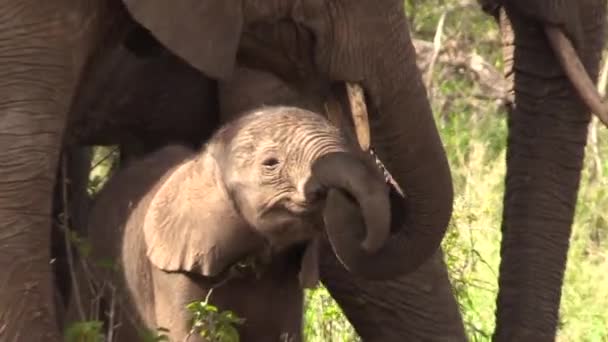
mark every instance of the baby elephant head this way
{"type": "Point", "coordinates": [261, 181]}
{"type": "Point", "coordinates": [278, 164]}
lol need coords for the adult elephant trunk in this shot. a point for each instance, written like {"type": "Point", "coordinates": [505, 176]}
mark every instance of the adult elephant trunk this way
{"type": "Point", "coordinates": [382, 59]}
{"type": "Point", "coordinates": [340, 170]}
{"type": "Point", "coordinates": [546, 146]}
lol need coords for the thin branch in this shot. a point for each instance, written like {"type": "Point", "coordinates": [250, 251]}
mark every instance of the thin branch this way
{"type": "Point", "coordinates": [603, 80]}
{"type": "Point", "coordinates": [593, 127]}
{"type": "Point", "coordinates": [66, 232]}
{"type": "Point", "coordinates": [110, 314]}
{"type": "Point", "coordinates": [436, 50]}
{"type": "Point", "coordinates": [112, 151]}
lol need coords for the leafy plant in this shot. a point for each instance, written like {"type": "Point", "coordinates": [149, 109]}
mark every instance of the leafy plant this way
{"type": "Point", "coordinates": [147, 335]}
{"type": "Point", "coordinates": [211, 323]}
{"type": "Point", "coordinates": [84, 331]}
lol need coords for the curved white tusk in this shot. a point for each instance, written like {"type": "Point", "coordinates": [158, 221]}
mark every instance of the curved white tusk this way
{"type": "Point", "coordinates": [358, 109]}
{"type": "Point", "coordinates": [574, 69]}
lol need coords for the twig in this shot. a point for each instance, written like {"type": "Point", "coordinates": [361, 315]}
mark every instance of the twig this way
{"type": "Point", "coordinates": [112, 151]}
{"type": "Point", "coordinates": [91, 283]}
{"type": "Point", "coordinates": [66, 231]}
{"type": "Point", "coordinates": [110, 314]}
{"type": "Point", "coordinates": [116, 311]}
{"type": "Point", "coordinates": [603, 80]}
{"type": "Point", "coordinates": [593, 136]}
{"type": "Point", "coordinates": [436, 50]}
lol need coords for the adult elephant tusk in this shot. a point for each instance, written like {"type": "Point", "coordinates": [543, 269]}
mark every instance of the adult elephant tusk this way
{"type": "Point", "coordinates": [358, 109]}
{"type": "Point", "coordinates": [576, 72]}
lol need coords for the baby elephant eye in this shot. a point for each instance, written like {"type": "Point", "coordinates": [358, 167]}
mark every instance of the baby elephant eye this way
{"type": "Point", "coordinates": [270, 162]}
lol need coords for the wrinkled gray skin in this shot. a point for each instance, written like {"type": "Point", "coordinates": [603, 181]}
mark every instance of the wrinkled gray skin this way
{"type": "Point", "coordinates": [55, 48]}
{"type": "Point", "coordinates": [177, 220]}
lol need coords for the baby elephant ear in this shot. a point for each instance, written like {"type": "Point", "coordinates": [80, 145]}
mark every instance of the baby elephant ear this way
{"type": "Point", "coordinates": [185, 227]}
{"type": "Point", "coordinates": [205, 33]}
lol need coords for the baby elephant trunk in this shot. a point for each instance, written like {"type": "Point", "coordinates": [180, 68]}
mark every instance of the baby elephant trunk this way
{"type": "Point", "coordinates": [362, 181]}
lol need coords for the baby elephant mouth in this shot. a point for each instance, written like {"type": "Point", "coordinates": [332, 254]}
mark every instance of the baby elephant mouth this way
{"type": "Point", "coordinates": [304, 208]}
{"type": "Point", "coordinates": [313, 201]}
{"type": "Point", "coordinates": [293, 222]}
{"type": "Point", "coordinates": [290, 210]}
{"type": "Point", "coordinates": [308, 203]}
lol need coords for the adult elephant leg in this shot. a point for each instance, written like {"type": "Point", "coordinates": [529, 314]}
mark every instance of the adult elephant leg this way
{"type": "Point", "coordinates": [39, 66]}
{"type": "Point", "coordinates": [546, 145]}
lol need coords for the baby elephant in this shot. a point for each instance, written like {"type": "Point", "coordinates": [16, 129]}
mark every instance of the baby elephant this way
{"type": "Point", "coordinates": [180, 222]}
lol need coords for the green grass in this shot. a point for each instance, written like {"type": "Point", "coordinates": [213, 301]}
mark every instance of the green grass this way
{"type": "Point", "coordinates": [324, 320]}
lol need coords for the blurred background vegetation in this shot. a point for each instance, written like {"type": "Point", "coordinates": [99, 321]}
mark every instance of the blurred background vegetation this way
{"type": "Point", "coordinates": [459, 53]}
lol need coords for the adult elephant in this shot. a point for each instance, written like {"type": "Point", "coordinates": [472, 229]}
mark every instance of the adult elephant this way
{"type": "Point", "coordinates": [50, 48]}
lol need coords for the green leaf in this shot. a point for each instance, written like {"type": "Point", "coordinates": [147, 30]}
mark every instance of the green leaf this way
{"type": "Point", "coordinates": [147, 335]}
{"type": "Point", "coordinates": [228, 334]}
{"type": "Point", "coordinates": [210, 308]}
{"type": "Point", "coordinates": [230, 317]}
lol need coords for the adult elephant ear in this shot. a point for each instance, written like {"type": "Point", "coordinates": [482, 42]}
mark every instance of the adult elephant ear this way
{"type": "Point", "coordinates": [188, 226]}
{"type": "Point", "coordinates": [205, 33]}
